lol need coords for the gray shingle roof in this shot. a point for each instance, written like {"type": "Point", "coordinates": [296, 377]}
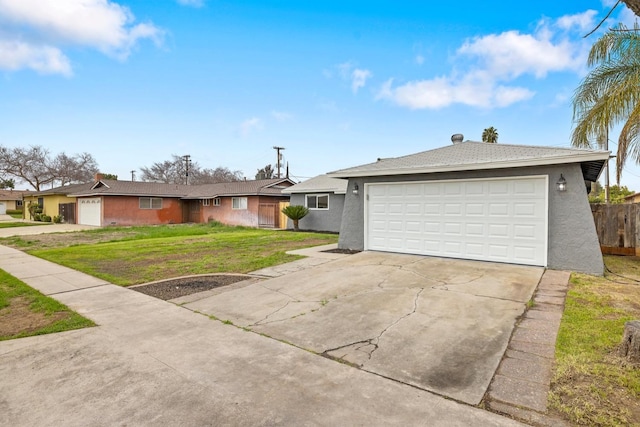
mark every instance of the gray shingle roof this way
{"type": "Point", "coordinates": [470, 155]}
{"type": "Point", "coordinates": [319, 184]}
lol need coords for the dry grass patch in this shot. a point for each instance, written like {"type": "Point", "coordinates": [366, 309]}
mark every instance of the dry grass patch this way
{"type": "Point", "coordinates": [592, 385]}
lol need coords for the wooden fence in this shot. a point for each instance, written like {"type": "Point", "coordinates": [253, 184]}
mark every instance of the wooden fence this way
{"type": "Point", "coordinates": [617, 228]}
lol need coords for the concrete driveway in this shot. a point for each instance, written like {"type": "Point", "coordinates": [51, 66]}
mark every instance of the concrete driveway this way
{"type": "Point", "coordinates": [150, 362]}
{"type": "Point", "coordinates": [441, 325]}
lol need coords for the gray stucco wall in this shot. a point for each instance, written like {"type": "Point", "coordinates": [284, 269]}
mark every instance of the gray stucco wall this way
{"type": "Point", "coordinates": [572, 242]}
{"type": "Point", "coordinates": [320, 220]}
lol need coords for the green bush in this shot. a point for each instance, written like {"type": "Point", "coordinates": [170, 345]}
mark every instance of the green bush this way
{"type": "Point", "coordinates": [45, 218]}
{"type": "Point", "coordinates": [13, 211]}
{"type": "Point", "coordinates": [37, 217]}
{"type": "Point", "coordinates": [57, 219]}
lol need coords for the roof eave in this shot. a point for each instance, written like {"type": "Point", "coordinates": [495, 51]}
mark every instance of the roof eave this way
{"type": "Point", "coordinates": [475, 166]}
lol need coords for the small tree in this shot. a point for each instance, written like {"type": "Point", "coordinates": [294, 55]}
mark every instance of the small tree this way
{"type": "Point", "coordinates": [295, 213]}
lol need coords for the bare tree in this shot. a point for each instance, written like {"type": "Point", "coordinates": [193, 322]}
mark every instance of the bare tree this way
{"type": "Point", "coordinates": [77, 169]}
{"type": "Point", "coordinates": [212, 176]}
{"type": "Point", "coordinates": [35, 166]}
{"type": "Point", "coordinates": [174, 172]}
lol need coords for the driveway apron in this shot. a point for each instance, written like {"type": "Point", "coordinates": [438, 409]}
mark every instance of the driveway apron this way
{"type": "Point", "coordinates": [437, 324]}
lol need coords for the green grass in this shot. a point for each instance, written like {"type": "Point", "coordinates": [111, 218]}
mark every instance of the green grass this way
{"type": "Point", "coordinates": [143, 254]}
{"type": "Point", "coordinates": [20, 224]}
{"type": "Point", "coordinates": [12, 289]}
{"type": "Point", "coordinates": [591, 384]}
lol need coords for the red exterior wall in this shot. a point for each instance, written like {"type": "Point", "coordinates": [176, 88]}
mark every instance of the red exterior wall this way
{"type": "Point", "coordinates": [226, 215]}
{"type": "Point", "coordinates": [125, 210]}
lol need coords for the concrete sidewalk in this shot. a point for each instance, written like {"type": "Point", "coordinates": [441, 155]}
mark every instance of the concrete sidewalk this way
{"type": "Point", "coordinates": [150, 362]}
{"type": "Point", "coordinates": [41, 228]}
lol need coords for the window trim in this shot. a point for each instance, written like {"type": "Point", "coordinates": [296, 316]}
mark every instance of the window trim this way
{"type": "Point", "coordinates": [206, 202]}
{"type": "Point", "coordinates": [241, 206]}
{"type": "Point", "coordinates": [216, 201]}
{"type": "Point", "coordinates": [316, 196]}
{"type": "Point", "coordinates": [150, 200]}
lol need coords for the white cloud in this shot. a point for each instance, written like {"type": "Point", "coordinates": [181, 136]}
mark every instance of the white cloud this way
{"type": "Point", "coordinates": [281, 116]}
{"type": "Point", "coordinates": [250, 125]}
{"type": "Point", "coordinates": [99, 24]}
{"type": "Point", "coordinates": [192, 3]}
{"type": "Point", "coordinates": [347, 71]}
{"type": "Point", "coordinates": [582, 21]}
{"type": "Point", "coordinates": [15, 55]}
{"type": "Point", "coordinates": [493, 62]}
{"type": "Point", "coordinates": [359, 79]}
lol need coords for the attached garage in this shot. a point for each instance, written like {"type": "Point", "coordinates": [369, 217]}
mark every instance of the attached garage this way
{"type": "Point", "coordinates": [502, 220]}
{"type": "Point", "coordinates": [471, 200]}
{"type": "Point", "coordinates": [90, 211]}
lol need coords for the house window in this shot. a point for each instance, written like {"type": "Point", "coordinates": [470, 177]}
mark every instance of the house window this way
{"type": "Point", "coordinates": [317, 201]}
{"type": "Point", "coordinates": [41, 202]}
{"type": "Point", "coordinates": [150, 203]}
{"type": "Point", "coordinates": [216, 201]}
{"type": "Point", "coordinates": [239, 203]}
{"type": "Point", "coordinates": [19, 203]}
{"type": "Point", "coordinates": [206, 202]}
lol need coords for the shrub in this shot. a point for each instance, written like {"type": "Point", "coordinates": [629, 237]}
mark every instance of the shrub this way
{"type": "Point", "coordinates": [295, 213]}
{"type": "Point", "coordinates": [45, 218]}
{"type": "Point", "coordinates": [57, 219]}
{"type": "Point", "coordinates": [37, 217]}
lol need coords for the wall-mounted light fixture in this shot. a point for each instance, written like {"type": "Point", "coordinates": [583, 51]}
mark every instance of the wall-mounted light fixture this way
{"type": "Point", "coordinates": [562, 184]}
{"type": "Point", "coordinates": [355, 188]}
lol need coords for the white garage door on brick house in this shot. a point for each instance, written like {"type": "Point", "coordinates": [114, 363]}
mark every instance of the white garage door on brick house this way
{"type": "Point", "coordinates": [90, 211]}
{"type": "Point", "coordinates": [496, 219]}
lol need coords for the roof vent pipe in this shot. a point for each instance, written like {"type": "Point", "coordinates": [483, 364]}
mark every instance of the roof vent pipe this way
{"type": "Point", "coordinates": [457, 138]}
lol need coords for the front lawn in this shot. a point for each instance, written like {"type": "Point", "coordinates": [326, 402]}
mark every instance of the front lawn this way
{"type": "Point", "coordinates": [592, 385]}
{"type": "Point", "coordinates": [133, 255]}
{"type": "Point", "coordinates": [12, 224]}
{"type": "Point", "coordinates": [25, 312]}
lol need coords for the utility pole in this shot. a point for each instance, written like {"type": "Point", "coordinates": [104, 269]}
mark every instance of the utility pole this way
{"type": "Point", "coordinates": [278, 149]}
{"type": "Point", "coordinates": [133, 175]}
{"type": "Point", "coordinates": [187, 159]}
{"type": "Point", "coordinates": [606, 168]}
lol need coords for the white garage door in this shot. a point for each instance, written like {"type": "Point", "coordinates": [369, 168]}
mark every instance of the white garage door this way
{"type": "Point", "coordinates": [3, 208]}
{"type": "Point", "coordinates": [502, 220]}
{"type": "Point", "coordinates": [89, 211]}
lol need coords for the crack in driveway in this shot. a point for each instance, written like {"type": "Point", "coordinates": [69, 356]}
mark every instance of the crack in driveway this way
{"type": "Point", "coordinates": [371, 342]}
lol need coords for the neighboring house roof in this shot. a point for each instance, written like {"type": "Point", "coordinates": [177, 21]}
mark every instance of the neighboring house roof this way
{"type": "Point", "coordinates": [319, 184]}
{"type": "Point", "coordinates": [133, 188]}
{"type": "Point", "coordinates": [269, 187]}
{"type": "Point", "coordinates": [63, 190]}
{"type": "Point", "coordinates": [633, 196]}
{"type": "Point", "coordinates": [13, 194]}
{"type": "Point", "coordinates": [261, 187]}
{"type": "Point", "coordinates": [470, 155]}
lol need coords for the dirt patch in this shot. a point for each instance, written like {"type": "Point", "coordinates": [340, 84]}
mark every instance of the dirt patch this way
{"type": "Point", "coordinates": [342, 251]}
{"type": "Point", "coordinates": [55, 240]}
{"type": "Point", "coordinates": [18, 318]}
{"type": "Point", "coordinates": [176, 288]}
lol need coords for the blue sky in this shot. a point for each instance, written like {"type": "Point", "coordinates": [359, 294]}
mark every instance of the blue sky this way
{"type": "Point", "coordinates": [337, 83]}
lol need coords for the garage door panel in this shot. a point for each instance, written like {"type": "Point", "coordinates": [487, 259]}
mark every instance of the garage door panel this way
{"type": "Point", "coordinates": [90, 211]}
{"type": "Point", "coordinates": [495, 219]}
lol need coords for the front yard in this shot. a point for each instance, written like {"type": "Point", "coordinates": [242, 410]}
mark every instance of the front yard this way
{"type": "Point", "coordinates": [132, 255]}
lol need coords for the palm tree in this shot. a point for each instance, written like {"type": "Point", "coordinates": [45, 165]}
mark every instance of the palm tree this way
{"type": "Point", "coordinates": [295, 213]}
{"type": "Point", "coordinates": [610, 94]}
{"type": "Point", "coordinates": [490, 134]}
